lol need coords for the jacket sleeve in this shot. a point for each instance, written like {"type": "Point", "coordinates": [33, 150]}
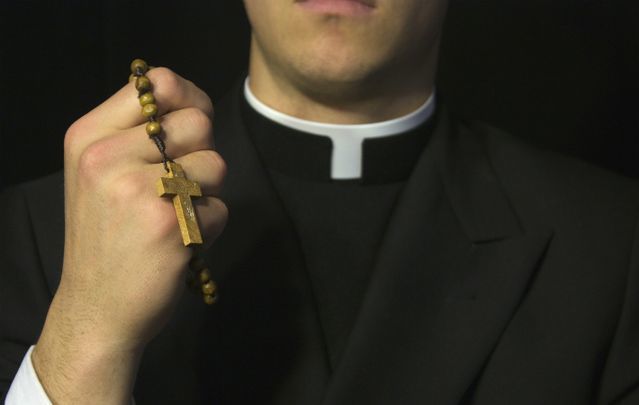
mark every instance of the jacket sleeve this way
{"type": "Point", "coordinates": [24, 294]}
{"type": "Point", "coordinates": [620, 380]}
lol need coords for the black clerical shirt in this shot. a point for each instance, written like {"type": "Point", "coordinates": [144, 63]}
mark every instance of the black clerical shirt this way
{"type": "Point", "coordinates": [340, 223]}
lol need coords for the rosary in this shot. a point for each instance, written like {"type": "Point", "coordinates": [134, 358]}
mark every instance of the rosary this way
{"type": "Point", "coordinates": [176, 185]}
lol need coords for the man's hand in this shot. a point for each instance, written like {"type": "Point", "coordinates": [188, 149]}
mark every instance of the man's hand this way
{"type": "Point", "coordinates": [124, 260]}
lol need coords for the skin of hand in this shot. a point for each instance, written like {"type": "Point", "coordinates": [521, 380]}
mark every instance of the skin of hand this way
{"type": "Point", "coordinates": [124, 260]}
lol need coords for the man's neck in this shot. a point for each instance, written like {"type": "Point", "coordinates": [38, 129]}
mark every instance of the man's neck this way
{"type": "Point", "coordinates": [347, 152]}
{"type": "Point", "coordinates": [343, 104]}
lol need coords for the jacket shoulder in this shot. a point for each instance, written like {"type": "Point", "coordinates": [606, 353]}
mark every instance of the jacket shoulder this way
{"type": "Point", "coordinates": [550, 180]}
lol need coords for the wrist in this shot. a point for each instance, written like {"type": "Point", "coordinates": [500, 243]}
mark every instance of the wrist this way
{"type": "Point", "coordinates": [83, 374]}
{"type": "Point", "coordinates": [76, 367]}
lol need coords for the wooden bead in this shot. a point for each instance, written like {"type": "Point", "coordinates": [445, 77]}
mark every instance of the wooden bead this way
{"type": "Point", "coordinates": [139, 64]}
{"type": "Point", "coordinates": [153, 128]}
{"type": "Point", "coordinates": [150, 110]}
{"type": "Point", "coordinates": [209, 288]}
{"type": "Point", "coordinates": [210, 299]}
{"type": "Point", "coordinates": [205, 276]}
{"type": "Point", "coordinates": [146, 98]}
{"type": "Point", "coordinates": [142, 84]}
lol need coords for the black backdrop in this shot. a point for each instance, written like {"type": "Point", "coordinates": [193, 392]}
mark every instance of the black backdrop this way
{"type": "Point", "coordinates": [560, 73]}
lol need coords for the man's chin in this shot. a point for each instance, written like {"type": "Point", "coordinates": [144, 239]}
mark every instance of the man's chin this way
{"type": "Point", "coordinates": [332, 70]}
{"type": "Point", "coordinates": [335, 87]}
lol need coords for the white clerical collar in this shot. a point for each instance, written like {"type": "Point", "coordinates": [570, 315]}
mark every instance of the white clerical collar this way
{"type": "Point", "coordinates": [346, 160]}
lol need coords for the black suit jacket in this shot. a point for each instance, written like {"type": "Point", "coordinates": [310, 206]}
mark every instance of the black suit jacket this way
{"type": "Point", "coordinates": [507, 275]}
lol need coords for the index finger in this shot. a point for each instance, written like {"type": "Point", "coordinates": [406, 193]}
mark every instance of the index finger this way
{"type": "Point", "coordinates": [171, 91]}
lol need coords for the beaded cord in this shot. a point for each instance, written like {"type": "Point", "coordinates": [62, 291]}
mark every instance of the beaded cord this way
{"type": "Point", "coordinates": [200, 276]}
{"type": "Point", "coordinates": [149, 108]}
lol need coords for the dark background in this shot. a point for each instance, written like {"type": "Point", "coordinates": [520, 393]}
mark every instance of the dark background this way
{"type": "Point", "coordinates": [559, 73]}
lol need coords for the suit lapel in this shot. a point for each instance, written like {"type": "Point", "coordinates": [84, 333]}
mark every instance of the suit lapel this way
{"type": "Point", "coordinates": [453, 267]}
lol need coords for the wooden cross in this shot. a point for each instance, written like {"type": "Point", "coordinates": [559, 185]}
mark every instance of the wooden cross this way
{"type": "Point", "coordinates": [176, 185]}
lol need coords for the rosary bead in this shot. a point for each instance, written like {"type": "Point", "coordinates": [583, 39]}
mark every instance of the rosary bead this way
{"type": "Point", "coordinates": [142, 84]}
{"type": "Point", "coordinates": [153, 128]}
{"type": "Point", "coordinates": [210, 299]}
{"type": "Point", "coordinates": [146, 98]}
{"type": "Point", "coordinates": [205, 276]}
{"type": "Point", "coordinates": [209, 288]}
{"type": "Point", "coordinates": [150, 110]}
{"type": "Point", "coordinates": [139, 64]}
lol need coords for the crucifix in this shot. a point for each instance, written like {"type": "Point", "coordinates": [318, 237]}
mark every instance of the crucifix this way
{"type": "Point", "coordinates": [176, 185]}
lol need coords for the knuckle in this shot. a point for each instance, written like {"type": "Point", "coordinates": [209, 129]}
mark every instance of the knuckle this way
{"type": "Point", "coordinates": [218, 163]}
{"type": "Point", "coordinates": [93, 160]}
{"type": "Point", "coordinates": [73, 136]}
{"type": "Point", "coordinates": [166, 82]}
{"type": "Point", "coordinates": [199, 121]}
{"type": "Point", "coordinates": [223, 210]}
{"type": "Point", "coordinates": [220, 218]}
{"type": "Point", "coordinates": [206, 103]}
{"type": "Point", "coordinates": [128, 189]}
{"type": "Point", "coordinates": [209, 109]}
{"type": "Point", "coordinates": [216, 218]}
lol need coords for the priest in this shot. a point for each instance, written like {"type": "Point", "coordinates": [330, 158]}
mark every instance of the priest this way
{"type": "Point", "coordinates": [368, 246]}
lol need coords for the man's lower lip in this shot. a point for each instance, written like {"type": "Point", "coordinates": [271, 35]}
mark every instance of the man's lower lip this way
{"type": "Point", "coordinates": [337, 7]}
